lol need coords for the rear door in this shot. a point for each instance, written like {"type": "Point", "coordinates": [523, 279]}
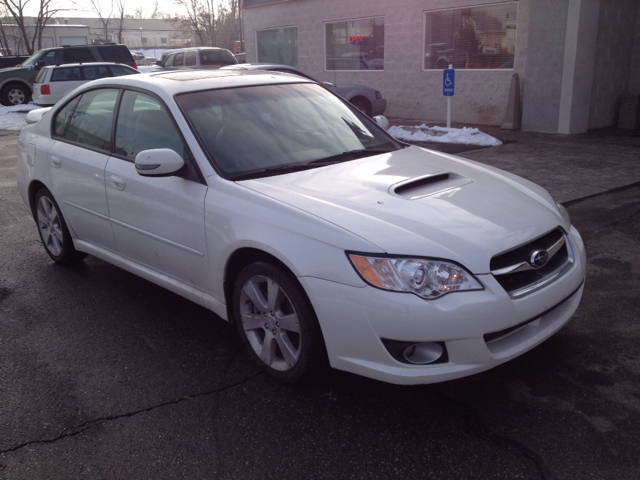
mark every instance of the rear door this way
{"type": "Point", "coordinates": [77, 159]}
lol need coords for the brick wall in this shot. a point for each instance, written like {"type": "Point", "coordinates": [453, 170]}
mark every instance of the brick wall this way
{"type": "Point", "coordinates": [481, 96]}
{"type": "Point", "coordinates": [612, 71]}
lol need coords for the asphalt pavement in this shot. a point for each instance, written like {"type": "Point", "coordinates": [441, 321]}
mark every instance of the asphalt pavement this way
{"type": "Point", "coordinates": [106, 376]}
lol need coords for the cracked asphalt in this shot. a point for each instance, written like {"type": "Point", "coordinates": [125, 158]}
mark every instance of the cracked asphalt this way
{"type": "Point", "coordinates": [106, 376]}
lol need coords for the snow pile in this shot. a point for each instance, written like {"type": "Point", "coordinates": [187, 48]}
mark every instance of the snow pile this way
{"type": "Point", "coordinates": [12, 118]}
{"type": "Point", "coordinates": [423, 133]}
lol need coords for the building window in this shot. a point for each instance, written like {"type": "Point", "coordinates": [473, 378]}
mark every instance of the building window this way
{"type": "Point", "coordinates": [163, 40]}
{"type": "Point", "coordinates": [478, 37]}
{"type": "Point", "coordinates": [278, 45]}
{"type": "Point", "coordinates": [355, 44]}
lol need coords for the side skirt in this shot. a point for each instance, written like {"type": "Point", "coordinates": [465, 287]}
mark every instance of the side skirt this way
{"type": "Point", "coordinates": [197, 296]}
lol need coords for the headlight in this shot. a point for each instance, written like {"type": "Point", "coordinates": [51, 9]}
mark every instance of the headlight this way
{"type": "Point", "coordinates": [426, 278]}
{"type": "Point", "coordinates": [565, 216]}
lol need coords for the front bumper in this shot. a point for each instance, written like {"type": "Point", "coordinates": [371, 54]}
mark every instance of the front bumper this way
{"type": "Point", "coordinates": [355, 320]}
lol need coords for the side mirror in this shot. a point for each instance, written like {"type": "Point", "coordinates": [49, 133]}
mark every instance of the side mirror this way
{"type": "Point", "coordinates": [40, 64]}
{"type": "Point", "coordinates": [158, 162]}
{"type": "Point", "coordinates": [159, 62]}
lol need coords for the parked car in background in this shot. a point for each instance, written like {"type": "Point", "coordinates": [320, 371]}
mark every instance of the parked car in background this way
{"type": "Point", "coordinates": [366, 99]}
{"type": "Point", "coordinates": [149, 61]}
{"type": "Point", "coordinates": [16, 82]}
{"type": "Point", "coordinates": [55, 81]}
{"type": "Point", "coordinates": [12, 60]}
{"type": "Point", "coordinates": [199, 57]}
{"type": "Point", "coordinates": [277, 205]}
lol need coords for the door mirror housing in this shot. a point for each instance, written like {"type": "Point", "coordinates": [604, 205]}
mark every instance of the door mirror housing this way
{"type": "Point", "coordinates": [158, 162]}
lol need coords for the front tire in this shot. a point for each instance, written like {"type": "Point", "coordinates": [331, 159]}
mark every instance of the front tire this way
{"type": "Point", "coordinates": [362, 105]}
{"type": "Point", "coordinates": [276, 323]}
{"type": "Point", "coordinates": [15, 94]}
{"type": "Point", "coordinates": [53, 230]}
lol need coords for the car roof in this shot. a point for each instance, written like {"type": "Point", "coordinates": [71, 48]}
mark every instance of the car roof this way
{"type": "Point", "coordinates": [189, 49]}
{"type": "Point", "coordinates": [88, 64]}
{"type": "Point", "coordinates": [169, 83]}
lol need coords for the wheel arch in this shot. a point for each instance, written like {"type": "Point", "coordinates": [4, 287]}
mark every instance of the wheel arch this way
{"type": "Point", "coordinates": [21, 81]}
{"type": "Point", "coordinates": [34, 188]}
{"type": "Point", "coordinates": [364, 100]}
{"type": "Point", "coordinates": [244, 256]}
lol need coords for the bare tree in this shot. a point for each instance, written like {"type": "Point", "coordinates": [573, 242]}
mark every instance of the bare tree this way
{"type": "Point", "coordinates": [30, 36]}
{"type": "Point", "coordinates": [104, 20]}
{"type": "Point", "coordinates": [199, 21]}
{"type": "Point", "coordinates": [120, 19]}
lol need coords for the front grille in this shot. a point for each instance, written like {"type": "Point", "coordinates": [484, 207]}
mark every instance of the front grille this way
{"type": "Point", "coordinates": [517, 272]}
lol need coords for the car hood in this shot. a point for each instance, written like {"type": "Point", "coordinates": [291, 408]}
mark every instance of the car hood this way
{"type": "Point", "coordinates": [11, 69]}
{"type": "Point", "coordinates": [349, 86]}
{"type": "Point", "coordinates": [421, 203]}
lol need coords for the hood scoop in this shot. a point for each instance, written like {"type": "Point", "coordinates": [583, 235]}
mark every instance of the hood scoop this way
{"type": "Point", "coordinates": [426, 185]}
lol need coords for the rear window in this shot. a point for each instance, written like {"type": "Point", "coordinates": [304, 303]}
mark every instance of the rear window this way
{"type": "Point", "coordinates": [96, 71]}
{"type": "Point", "coordinates": [69, 74]}
{"type": "Point", "coordinates": [217, 57]}
{"type": "Point", "coordinates": [116, 53]}
{"type": "Point", "coordinates": [41, 74]}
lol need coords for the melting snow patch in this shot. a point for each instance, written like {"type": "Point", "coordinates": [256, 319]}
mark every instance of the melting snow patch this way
{"type": "Point", "coordinates": [423, 133]}
{"type": "Point", "coordinates": [12, 118]}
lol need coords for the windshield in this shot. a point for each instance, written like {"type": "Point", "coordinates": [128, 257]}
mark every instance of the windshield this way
{"type": "Point", "coordinates": [270, 129]}
{"type": "Point", "coordinates": [33, 59]}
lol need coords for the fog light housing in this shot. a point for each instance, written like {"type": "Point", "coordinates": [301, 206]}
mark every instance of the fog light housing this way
{"type": "Point", "coordinates": [417, 353]}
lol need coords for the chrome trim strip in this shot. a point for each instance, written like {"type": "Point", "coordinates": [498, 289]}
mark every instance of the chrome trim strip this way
{"type": "Point", "coordinates": [553, 276]}
{"type": "Point", "coordinates": [524, 266]}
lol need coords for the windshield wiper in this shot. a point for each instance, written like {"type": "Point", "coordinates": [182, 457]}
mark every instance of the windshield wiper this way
{"type": "Point", "coordinates": [265, 172]}
{"type": "Point", "coordinates": [296, 167]}
{"type": "Point", "coordinates": [351, 155]}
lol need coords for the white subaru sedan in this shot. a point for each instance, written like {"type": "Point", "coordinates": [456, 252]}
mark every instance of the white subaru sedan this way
{"type": "Point", "coordinates": [280, 207]}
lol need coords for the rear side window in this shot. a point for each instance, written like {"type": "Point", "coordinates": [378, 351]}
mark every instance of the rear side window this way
{"type": "Point", "coordinates": [116, 53]}
{"type": "Point", "coordinates": [78, 55]}
{"type": "Point", "coordinates": [119, 71]}
{"type": "Point", "coordinates": [91, 122]}
{"type": "Point", "coordinates": [178, 61]}
{"type": "Point", "coordinates": [190, 59]}
{"type": "Point", "coordinates": [66, 74]}
{"type": "Point", "coordinates": [96, 71]}
{"type": "Point", "coordinates": [217, 57]}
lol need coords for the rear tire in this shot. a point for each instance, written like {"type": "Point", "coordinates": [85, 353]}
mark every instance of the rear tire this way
{"type": "Point", "coordinates": [15, 94]}
{"type": "Point", "coordinates": [53, 230]}
{"type": "Point", "coordinates": [276, 323]}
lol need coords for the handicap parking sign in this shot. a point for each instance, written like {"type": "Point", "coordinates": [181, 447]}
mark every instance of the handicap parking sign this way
{"type": "Point", "coordinates": [448, 82]}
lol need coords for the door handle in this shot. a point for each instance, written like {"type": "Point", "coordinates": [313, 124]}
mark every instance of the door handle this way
{"type": "Point", "coordinates": [55, 161]}
{"type": "Point", "coordinates": [118, 182]}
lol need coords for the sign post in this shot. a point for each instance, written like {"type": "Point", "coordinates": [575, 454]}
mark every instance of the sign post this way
{"type": "Point", "coordinates": [448, 89]}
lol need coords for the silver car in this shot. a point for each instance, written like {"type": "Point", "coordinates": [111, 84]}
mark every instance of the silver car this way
{"type": "Point", "coordinates": [366, 99]}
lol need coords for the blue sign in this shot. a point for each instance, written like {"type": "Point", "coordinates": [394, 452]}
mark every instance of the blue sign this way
{"type": "Point", "coordinates": [448, 82]}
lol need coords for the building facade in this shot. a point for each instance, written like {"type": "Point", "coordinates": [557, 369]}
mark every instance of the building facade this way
{"type": "Point", "coordinates": [574, 58]}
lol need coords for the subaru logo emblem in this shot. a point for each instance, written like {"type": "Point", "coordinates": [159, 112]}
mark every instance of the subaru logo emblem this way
{"type": "Point", "coordinates": [539, 258]}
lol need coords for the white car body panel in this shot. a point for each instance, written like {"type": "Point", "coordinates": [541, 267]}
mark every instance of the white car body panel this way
{"type": "Point", "coordinates": [182, 234]}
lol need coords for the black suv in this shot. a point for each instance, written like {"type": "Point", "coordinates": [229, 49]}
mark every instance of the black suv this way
{"type": "Point", "coordinates": [16, 82]}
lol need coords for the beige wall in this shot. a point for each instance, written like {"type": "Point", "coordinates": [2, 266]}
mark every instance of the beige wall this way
{"type": "Point", "coordinates": [481, 95]}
